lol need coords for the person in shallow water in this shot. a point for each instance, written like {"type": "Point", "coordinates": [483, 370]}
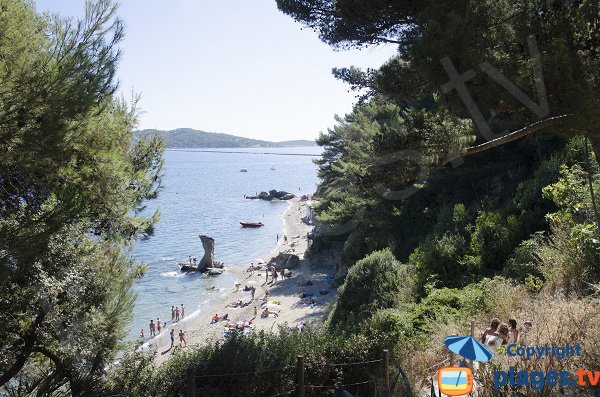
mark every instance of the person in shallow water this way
{"type": "Point", "coordinates": [177, 314]}
{"type": "Point", "coordinates": [152, 327]}
{"type": "Point", "coordinates": [182, 311]}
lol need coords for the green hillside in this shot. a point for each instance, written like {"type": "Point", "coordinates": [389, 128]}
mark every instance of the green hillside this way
{"type": "Point", "coordinates": [190, 138]}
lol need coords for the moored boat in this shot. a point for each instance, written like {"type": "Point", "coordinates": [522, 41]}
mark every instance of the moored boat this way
{"type": "Point", "coordinates": [251, 224]}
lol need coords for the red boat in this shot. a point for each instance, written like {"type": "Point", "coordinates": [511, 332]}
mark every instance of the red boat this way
{"type": "Point", "coordinates": [251, 224]}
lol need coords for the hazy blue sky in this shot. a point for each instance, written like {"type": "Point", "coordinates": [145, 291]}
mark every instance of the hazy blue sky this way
{"type": "Point", "coordinates": [232, 66]}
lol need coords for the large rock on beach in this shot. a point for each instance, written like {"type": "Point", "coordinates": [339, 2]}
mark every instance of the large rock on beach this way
{"type": "Point", "coordinates": [208, 243]}
{"type": "Point", "coordinates": [285, 261]}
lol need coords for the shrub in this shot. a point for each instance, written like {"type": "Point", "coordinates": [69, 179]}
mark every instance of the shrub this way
{"type": "Point", "coordinates": [522, 263]}
{"type": "Point", "coordinates": [494, 238]}
{"type": "Point", "coordinates": [441, 262]}
{"type": "Point", "coordinates": [256, 365]}
{"type": "Point", "coordinates": [379, 281]}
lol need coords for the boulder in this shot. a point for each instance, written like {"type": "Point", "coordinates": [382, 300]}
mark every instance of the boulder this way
{"type": "Point", "coordinates": [283, 260]}
{"type": "Point", "coordinates": [273, 195]}
{"type": "Point", "coordinates": [265, 196]}
{"type": "Point", "coordinates": [208, 243]}
{"type": "Point", "coordinates": [186, 267]}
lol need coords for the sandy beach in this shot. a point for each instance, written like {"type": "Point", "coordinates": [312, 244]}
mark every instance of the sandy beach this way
{"type": "Point", "coordinates": [284, 295]}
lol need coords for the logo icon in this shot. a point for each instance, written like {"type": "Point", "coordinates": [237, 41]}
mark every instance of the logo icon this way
{"type": "Point", "coordinates": [458, 381]}
{"type": "Point", "coordinates": [455, 381]}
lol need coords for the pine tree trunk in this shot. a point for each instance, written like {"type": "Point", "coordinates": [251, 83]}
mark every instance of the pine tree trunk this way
{"type": "Point", "coordinates": [594, 138]}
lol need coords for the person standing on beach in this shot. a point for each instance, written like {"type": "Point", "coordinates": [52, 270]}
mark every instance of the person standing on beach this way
{"type": "Point", "coordinates": [172, 313]}
{"type": "Point", "coordinates": [158, 325]}
{"type": "Point", "coordinates": [172, 338]}
{"type": "Point", "coordinates": [277, 236]}
{"type": "Point", "coordinates": [182, 311]}
{"type": "Point", "coordinates": [182, 339]}
{"type": "Point", "coordinates": [152, 329]}
{"type": "Point", "coordinates": [266, 275]}
{"type": "Point", "coordinates": [255, 311]}
{"type": "Point", "coordinates": [274, 275]}
{"type": "Point", "coordinates": [252, 291]}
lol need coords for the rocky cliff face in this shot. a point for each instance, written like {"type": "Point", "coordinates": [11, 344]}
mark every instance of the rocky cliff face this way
{"type": "Point", "coordinates": [208, 243]}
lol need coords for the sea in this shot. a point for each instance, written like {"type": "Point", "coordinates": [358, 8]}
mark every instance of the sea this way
{"type": "Point", "coordinates": [203, 194]}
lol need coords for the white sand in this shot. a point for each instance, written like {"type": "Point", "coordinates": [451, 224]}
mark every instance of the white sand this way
{"type": "Point", "coordinates": [290, 309]}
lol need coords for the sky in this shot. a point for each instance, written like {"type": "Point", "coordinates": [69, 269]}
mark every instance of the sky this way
{"type": "Point", "coordinates": [233, 66]}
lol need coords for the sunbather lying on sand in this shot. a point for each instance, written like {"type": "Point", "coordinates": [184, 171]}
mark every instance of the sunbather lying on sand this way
{"type": "Point", "coordinates": [302, 282]}
{"type": "Point", "coordinates": [216, 318]}
{"type": "Point", "coordinates": [235, 304]}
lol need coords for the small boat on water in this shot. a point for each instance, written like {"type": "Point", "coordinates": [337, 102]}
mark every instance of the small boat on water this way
{"type": "Point", "coordinates": [251, 224]}
{"type": "Point", "coordinates": [272, 168]}
{"type": "Point", "coordinates": [243, 170]}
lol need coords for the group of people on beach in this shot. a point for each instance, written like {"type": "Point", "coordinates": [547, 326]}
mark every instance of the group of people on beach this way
{"type": "Point", "coordinates": [500, 334]}
{"type": "Point", "coordinates": [157, 327]}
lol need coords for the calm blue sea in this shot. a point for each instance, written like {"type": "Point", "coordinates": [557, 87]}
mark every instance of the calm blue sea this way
{"type": "Point", "coordinates": [204, 194]}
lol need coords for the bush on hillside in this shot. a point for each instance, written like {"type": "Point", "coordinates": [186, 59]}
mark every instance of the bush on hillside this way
{"type": "Point", "coordinates": [522, 263]}
{"type": "Point", "coordinates": [379, 281]}
{"type": "Point", "coordinates": [443, 262]}
{"type": "Point", "coordinates": [262, 364]}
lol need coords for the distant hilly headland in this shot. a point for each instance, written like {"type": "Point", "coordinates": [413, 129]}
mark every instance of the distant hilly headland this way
{"type": "Point", "coordinates": [190, 138]}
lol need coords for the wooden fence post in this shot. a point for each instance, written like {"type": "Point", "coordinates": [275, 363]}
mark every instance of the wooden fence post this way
{"type": "Point", "coordinates": [300, 376]}
{"type": "Point", "coordinates": [191, 383]}
{"type": "Point", "coordinates": [386, 363]}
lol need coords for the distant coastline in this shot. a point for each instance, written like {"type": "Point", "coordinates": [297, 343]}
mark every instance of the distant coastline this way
{"type": "Point", "coordinates": [188, 138]}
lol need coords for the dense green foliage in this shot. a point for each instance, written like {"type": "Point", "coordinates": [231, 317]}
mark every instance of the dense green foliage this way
{"type": "Point", "coordinates": [472, 34]}
{"type": "Point", "coordinates": [262, 364]}
{"type": "Point", "coordinates": [71, 187]}
{"type": "Point", "coordinates": [378, 281]}
{"type": "Point", "coordinates": [190, 138]}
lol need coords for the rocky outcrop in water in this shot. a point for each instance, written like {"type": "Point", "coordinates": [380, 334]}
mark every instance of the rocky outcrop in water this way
{"type": "Point", "coordinates": [272, 195]}
{"type": "Point", "coordinates": [208, 243]}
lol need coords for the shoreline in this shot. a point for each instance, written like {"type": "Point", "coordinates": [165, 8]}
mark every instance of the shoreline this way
{"type": "Point", "coordinates": [197, 325]}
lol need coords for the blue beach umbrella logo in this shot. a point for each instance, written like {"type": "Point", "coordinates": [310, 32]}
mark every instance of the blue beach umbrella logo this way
{"type": "Point", "coordinates": [468, 347]}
